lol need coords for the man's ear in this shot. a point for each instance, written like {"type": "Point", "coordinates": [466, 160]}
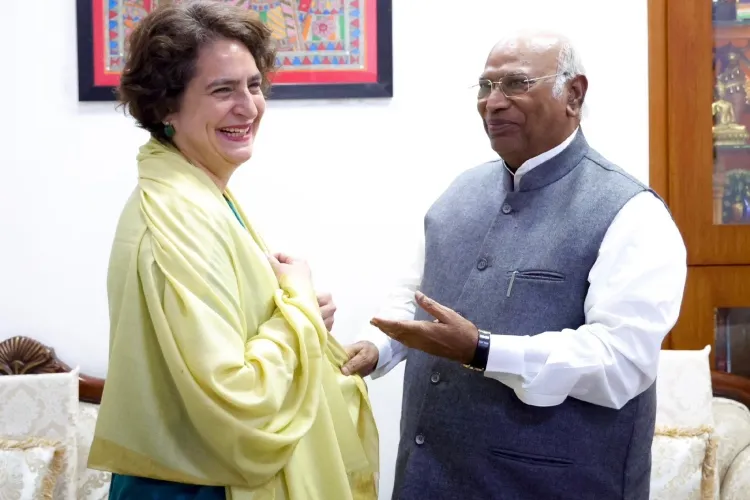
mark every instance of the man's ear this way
{"type": "Point", "coordinates": [576, 95]}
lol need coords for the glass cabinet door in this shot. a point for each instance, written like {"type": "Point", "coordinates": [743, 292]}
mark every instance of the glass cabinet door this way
{"type": "Point", "coordinates": [716, 312]}
{"type": "Point", "coordinates": [708, 96]}
{"type": "Point", "coordinates": [732, 340]}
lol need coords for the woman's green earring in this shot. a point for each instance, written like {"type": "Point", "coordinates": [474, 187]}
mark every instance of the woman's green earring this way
{"type": "Point", "coordinates": [169, 130]}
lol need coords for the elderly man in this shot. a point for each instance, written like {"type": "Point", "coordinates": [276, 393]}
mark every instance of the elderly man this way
{"type": "Point", "coordinates": [548, 280]}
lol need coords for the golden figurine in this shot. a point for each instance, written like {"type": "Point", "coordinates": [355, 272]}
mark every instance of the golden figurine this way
{"type": "Point", "coordinates": [733, 78]}
{"type": "Point", "coordinates": [726, 130]}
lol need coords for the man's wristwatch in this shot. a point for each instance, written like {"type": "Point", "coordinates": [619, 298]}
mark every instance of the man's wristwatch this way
{"type": "Point", "coordinates": [482, 352]}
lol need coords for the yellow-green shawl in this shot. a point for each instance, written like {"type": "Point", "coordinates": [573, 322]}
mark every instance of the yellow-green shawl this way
{"type": "Point", "coordinates": [219, 374]}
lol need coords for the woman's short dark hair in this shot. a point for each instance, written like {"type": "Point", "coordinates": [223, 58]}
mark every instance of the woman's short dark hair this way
{"type": "Point", "coordinates": [163, 52]}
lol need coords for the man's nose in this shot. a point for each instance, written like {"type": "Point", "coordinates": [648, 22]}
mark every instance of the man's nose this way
{"type": "Point", "coordinates": [497, 100]}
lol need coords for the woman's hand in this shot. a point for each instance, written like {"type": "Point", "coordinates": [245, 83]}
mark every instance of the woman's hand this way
{"type": "Point", "coordinates": [327, 309]}
{"type": "Point", "coordinates": [289, 268]}
{"type": "Point", "coordinates": [297, 270]}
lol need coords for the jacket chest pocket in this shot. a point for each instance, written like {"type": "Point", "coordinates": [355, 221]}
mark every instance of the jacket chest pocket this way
{"type": "Point", "coordinates": [517, 278]}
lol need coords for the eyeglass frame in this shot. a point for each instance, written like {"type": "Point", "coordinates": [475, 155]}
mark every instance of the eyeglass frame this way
{"type": "Point", "coordinates": [529, 83]}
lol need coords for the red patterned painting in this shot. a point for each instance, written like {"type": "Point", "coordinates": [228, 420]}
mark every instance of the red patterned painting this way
{"type": "Point", "coordinates": [326, 48]}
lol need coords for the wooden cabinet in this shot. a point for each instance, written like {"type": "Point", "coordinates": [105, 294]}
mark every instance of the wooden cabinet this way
{"type": "Point", "coordinates": [716, 311]}
{"type": "Point", "coordinates": [699, 65]}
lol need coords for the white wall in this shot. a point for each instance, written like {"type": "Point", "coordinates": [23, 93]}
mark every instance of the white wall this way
{"type": "Point", "coordinates": [359, 173]}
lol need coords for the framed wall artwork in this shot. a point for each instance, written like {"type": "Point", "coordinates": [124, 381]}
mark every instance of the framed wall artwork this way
{"type": "Point", "coordinates": [327, 49]}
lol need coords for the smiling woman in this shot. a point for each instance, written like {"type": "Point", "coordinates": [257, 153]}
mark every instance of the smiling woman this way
{"type": "Point", "coordinates": [199, 86]}
{"type": "Point", "coordinates": [223, 379]}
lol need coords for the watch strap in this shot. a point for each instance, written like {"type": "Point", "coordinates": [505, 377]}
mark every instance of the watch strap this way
{"type": "Point", "coordinates": [482, 352]}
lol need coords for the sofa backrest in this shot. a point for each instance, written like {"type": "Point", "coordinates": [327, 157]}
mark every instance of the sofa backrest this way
{"type": "Point", "coordinates": [27, 364]}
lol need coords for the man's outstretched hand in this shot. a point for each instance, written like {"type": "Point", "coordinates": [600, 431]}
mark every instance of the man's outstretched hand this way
{"type": "Point", "coordinates": [450, 336]}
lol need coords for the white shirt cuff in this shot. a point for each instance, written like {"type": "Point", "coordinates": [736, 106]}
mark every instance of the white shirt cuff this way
{"type": "Point", "coordinates": [506, 363]}
{"type": "Point", "coordinates": [385, 354]}
{"type": "Point", "coordinates": [382, 342]}
{"type": "Point", "coordinates": [506, 355]}
{"type": "Point", "coordinates": [533, 399]}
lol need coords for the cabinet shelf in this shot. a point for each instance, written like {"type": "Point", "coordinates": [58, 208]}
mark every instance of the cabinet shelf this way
{"type": "Point", "coordinates": [728, 30]}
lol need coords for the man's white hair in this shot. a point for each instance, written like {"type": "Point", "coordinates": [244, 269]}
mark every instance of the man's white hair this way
{"type": "Point", "coordinates": [569, 66]}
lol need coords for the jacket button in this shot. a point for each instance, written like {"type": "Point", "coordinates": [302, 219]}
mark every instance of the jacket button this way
{"type": "Point", "coordinates": [419, 439]}
{"type": "Point", "coordinates": [507, 208]}
{"type": "Point", "coordinates": [435, 378]}
{"type": "Point", "coordinates": [482, 264]}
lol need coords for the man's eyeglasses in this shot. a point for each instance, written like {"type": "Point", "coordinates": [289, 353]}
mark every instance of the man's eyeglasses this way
{"type": "Point", "coordinates": [509, 85]}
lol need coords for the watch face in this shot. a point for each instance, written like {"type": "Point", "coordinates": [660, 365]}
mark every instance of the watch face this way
{"type": "Point", "coordinates": [474, 368]}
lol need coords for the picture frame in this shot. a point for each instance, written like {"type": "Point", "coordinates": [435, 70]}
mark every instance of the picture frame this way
{"type": "Point", "coordinates": [342, 53]}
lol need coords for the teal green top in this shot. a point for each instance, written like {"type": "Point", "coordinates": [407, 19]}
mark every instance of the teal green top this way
{"type": "Point", "coordinates": [234, 210]}
{"type": "Point", "coordinates": [141, 488]}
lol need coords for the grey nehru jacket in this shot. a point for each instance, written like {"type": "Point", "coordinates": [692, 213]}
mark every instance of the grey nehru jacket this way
{"type": "Point", "coordinates": [517, 263]}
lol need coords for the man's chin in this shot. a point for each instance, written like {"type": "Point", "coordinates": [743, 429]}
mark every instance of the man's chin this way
{"type": "Point", "coordinates": [503, 144]}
